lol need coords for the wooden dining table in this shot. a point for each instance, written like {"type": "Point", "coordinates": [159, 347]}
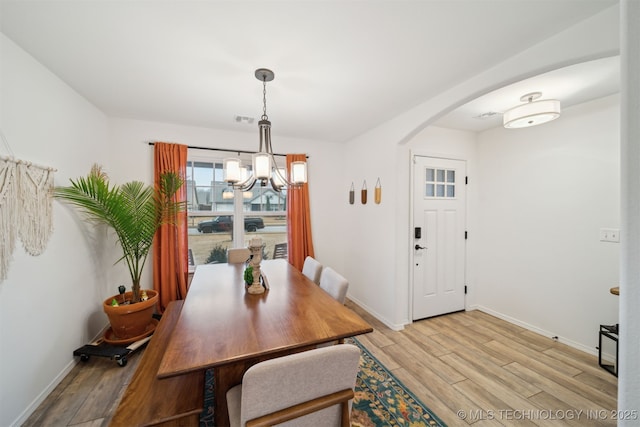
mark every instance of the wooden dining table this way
{"type": "Point", "coordinates": [222, 326]}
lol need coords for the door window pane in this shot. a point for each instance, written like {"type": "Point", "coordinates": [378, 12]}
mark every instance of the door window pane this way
{"type": "Point", "coordinates": [429, 192]}
{"type": "Point", "coordinates": [451, 191]}
{"type": "Point", "coordinates": [440, 183]}
{"type": "Point", "coordinates": [451, 176]}
{"type": "Point", "coordinates": [429, 173]}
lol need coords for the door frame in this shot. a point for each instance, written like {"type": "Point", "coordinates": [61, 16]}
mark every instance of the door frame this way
{"type": "Point", "coordinates": [412, 167]}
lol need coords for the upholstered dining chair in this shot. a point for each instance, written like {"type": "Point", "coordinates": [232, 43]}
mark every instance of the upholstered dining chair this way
{"type": "Point", "coordinates": [334, 284]}
{"type": "Point", "coordinates": [312, 269]}
{"type": "Point", "coordinates": [312, 388]}
{"type": "Point", "coordinates": [238, 255]}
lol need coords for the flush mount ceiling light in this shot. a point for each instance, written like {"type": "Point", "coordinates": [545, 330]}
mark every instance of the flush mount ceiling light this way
{"type": "Point", "coordinates": [264, 168]}
{"type": "Point", "coordinates": [532, 113]}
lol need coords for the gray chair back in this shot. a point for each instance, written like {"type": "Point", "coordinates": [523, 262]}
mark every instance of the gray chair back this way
{"type": "Point", "coordinates": [238, 255]}
{"type": "Point", "coordinates": [334, 284]}
{"type": "Point", "coordinates": [309, 377]}
{"type": "Point", "coordinates": [312, 269]}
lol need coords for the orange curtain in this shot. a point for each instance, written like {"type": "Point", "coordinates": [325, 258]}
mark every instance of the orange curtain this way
{"type": "Point", "coordinates": [299, 240]}
{"type": "Point", "coordinates": [170, 246]}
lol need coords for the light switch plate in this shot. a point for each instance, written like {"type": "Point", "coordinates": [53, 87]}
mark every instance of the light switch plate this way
{"type": "Point", "coordinates": [610, 235]}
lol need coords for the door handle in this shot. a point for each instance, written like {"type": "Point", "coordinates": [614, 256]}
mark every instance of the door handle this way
{"type": "Point", "coordinates": [417, 247]}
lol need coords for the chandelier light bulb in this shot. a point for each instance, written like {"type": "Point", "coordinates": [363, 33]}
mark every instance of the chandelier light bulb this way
{"type": "Point", "coordinates": [298, 172]}
{"type": "Point", "coordinates": [232, 173]}
{"type": "Point", "coordinates": [261, 165]}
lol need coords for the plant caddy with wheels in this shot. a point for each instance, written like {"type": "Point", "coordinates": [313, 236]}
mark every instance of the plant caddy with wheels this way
{"type": "Point", "coordinates": [114, 352]}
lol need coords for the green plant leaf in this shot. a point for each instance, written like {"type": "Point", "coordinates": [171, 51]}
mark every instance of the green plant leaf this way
{"type": "Point", "coordinates": [134, 210]}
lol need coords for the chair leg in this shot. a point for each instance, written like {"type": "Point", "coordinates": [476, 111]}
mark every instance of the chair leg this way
{"type": "Point", "coordinates": [346, 417]}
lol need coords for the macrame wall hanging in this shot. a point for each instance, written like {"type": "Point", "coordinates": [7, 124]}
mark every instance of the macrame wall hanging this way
{"type": "Point", "coordinates": [8, 203]}
{"type": "Point", "coordinates": [26, 210]}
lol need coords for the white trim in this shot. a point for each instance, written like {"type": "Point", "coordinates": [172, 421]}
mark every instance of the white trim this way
{"type": "Point", "coordinates": [393, 326]}
{"type": "Point", "coordinates": [412, 171]}
{"type": "Point", "coordinates": [540, 331]}
{"type": "Point", "coordinates": [33, 406]}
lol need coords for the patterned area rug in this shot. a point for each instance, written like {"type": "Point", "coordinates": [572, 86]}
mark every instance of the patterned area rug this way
{"type": "Point", "coordinates": [380, 398]}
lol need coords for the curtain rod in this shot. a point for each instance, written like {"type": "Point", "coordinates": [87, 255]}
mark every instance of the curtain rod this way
{"type": "Point", "coordinates": [228, 150]}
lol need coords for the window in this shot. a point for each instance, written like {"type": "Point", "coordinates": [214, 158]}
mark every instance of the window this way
{"type": "Point", "coordinates": [440, 183]}
{"type": "Point", "coordinates": [214, 209]}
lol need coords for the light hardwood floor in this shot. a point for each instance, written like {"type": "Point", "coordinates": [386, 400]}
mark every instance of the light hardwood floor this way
{"type": "Point", "coordinates": [470, 368]}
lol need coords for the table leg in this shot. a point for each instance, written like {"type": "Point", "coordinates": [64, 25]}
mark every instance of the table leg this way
{"type": "Point", "coordinates": [224, 378]}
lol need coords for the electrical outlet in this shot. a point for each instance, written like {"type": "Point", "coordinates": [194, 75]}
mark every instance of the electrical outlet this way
{"type": "Point", "coordinates": [614, 235]}
{"type": "Point", "coordinates": [610, 235]}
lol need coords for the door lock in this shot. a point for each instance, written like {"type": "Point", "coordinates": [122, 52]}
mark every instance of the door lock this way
{"type": "Point", "coordinates": [417, 247]}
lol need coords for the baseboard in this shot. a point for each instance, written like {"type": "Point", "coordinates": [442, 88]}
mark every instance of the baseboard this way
{"type": "Point", "coordinates": [542, 332]}
{"type": "Point", "coordinates": [29, 410]}
{"type": "Point", "coordinates": [390, 325]}
{"type": "Point", "coordinates": [33, 406]}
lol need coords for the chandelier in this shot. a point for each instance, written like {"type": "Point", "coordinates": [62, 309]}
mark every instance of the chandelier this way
{"type": "Point", "coordinates": [264, 168]}
{"type": "Point", "coordinates": [532, 113]}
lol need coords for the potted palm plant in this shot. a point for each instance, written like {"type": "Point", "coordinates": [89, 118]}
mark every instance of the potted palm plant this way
{"type": "Point", "coordinates": [135, 212]}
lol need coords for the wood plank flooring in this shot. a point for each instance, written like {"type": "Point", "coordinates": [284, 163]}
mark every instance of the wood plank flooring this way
{"type": "Point", "coordinates": [470, 368]}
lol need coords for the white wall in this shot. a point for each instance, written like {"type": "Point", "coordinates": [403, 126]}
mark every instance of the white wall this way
{"type": "Point", "coordinates": [324, 163]}
{"type": "Point", "coordinates": [381, 233]}
{"type": "Point", "coordinates": [544, 194]}
{"type": "Point", "coordinates": [382, 285]}
{"type": "Point", "coordinates": [50, 304]}
{"type": "Point", "coordinates": [629, 375]}
{"type": "Point", "coordinates": [370, 239]}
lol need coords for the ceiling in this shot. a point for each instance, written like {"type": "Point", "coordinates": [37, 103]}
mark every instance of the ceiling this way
{"type": "Point", "coordinates": [341, 67]}
{"type": "Point", "coordinates": [571, 85]}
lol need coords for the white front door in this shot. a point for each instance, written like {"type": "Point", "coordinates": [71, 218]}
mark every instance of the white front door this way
{"type": "Point", "coordinates": [438, 236]}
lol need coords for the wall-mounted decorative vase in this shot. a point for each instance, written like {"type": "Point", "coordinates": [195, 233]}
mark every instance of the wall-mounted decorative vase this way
{"type": "Point", "coordinates": [363, 193]}
{"type": "Point", "coordinates": [352, 197]}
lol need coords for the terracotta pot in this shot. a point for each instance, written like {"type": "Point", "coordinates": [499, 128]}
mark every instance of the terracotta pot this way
{"type": "Point", "coordinates": [130, 320]}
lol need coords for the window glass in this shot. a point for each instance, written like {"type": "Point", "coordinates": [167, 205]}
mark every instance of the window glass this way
{"type": "Point", "coordinates": [451, 176]}
{"type": "Point", "coordinates": [430, 174]}
{"type": "Point", "coordinates": [451, 191]}
{"type": "Point", "coordinates": [205, 186]}
{"type": "Point", "coordinates": [213, 211]}
{"type": "Point", "coordinates": [440, 183]}
{"type": "Point", "coordinates": [430, 192]}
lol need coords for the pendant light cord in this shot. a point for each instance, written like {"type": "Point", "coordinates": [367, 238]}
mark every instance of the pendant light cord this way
{"type": "Point", "coordinates": [264, 98]}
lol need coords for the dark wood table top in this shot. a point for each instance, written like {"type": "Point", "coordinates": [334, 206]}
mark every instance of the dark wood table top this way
{"type": "Point", "coordinates": [221, 323]}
